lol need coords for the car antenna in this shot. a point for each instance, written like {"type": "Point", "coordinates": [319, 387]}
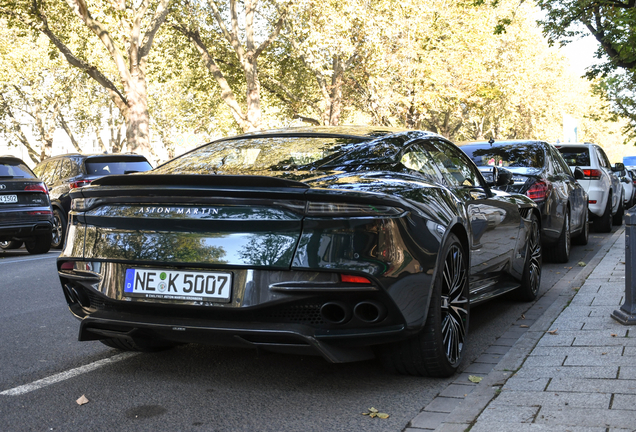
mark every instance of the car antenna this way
{"type": "Point", "coordinates": [491, 141]}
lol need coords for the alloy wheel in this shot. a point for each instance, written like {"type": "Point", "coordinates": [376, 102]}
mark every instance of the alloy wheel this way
{"type": "Point", "coordinates": [454, 304]}
{"type": "Point", "coordinates": [534, 268]}
{"type": "Point", "coordinates": [57, 229]}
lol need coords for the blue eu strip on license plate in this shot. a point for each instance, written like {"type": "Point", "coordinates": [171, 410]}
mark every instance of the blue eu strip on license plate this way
{"type": "Point", "coordinates": [178, 285]}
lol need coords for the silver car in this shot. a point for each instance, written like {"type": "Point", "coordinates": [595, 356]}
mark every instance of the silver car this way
{"type": "Point", "coordinates": [606, 195]}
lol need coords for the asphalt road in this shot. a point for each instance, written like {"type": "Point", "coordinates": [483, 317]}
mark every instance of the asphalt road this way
{"type": "Point", "coordinates": [194, 387]}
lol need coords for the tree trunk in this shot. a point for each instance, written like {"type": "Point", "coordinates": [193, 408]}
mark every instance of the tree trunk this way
{"type": "Point", "coordinates": [253, 94]}
{"type": "Point", "coordinates": [335, 106]}
{"type": "Point", "coordinates": [137, 116]}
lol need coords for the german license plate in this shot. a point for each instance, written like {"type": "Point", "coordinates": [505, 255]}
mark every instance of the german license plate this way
{"type": "Point", "coordinates": [8, 199]}
{"type": "Point", "coordinates": [178, 285]}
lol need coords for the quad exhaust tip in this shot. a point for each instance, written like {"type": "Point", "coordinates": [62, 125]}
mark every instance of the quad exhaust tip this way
{"type": "Point", "coordinates": [335, 312]}
{"type": "Point", "coordinates": [370, 311]}
{"type": "Point", "coordinates": [367, 311]}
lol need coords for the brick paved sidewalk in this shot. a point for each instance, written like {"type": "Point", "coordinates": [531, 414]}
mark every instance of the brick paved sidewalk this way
{"type": "Point", "coordinates": [581, 375]}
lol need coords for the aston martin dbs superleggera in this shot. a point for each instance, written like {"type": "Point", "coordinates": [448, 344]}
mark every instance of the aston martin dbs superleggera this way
{"type": "Point", "coordinates": [346, 242]}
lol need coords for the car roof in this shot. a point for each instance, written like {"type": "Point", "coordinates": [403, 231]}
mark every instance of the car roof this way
{"type": "Point", "coordinates": [586, 144]}
{"type": "Point", "coordinates": [95, 156]}
{"type": "Point", "coordinates": [9, 158]}
{"type": "Point", "coordinates": [353, 131]}
{"type": "Point", "coordinates": [501, 142]}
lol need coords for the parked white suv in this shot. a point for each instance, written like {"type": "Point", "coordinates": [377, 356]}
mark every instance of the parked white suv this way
{"type": "Point", "coordinates": [606, 195]}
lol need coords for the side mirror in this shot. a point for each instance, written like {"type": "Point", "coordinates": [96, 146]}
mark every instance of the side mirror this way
{"type": "Point", "coordinates": [618, 166]}
{"type": "Point", "coordinates": [502, 176]}
{"type": "Point", "coordinates": [579, 174]}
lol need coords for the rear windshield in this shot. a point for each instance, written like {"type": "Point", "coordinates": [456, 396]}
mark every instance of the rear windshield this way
{"type": "Point", "coordinates": [506, 155]}
{"type": "Point", "coordinates": [15, 170]}
{"type": "Point", "coordinates": [276, 154]}
{"type": "Point", "coordinates": [105, 167]}
{"type": "Point", "coordinates": [576, 156]}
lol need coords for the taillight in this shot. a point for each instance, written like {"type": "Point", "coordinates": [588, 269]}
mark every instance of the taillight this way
{"type": "Point", "coordinates": [354, 279]}
{"type": "Point", "coordinates": [79, 183]}
{"type": "Point", "coordinates": [539, 191]}
{"type": "Point", "coordinates": [591, 174]}
{"type": "Point", "coordinates": [37, 187]}
{"type": "Point", "coordinates": [40, 212]}
{"type": "Point", "coordinates": [345, 209]}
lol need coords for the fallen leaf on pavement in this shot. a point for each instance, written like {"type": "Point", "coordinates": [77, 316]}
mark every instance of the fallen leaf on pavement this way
{"type": "Point", "coordinates": [83, 400]}
{"type": "Point", "coordinates": [581, 264]}
{"type": "Point", "coordinates": [475, 379]}
{"type": "Point", "coordinates": [613, 334]}
{"type": "Point", "coordinates": [523, 316]}
{"type": "Point", "coordinates": [375, 413]}
{"type": "Point", "coordinates": [553, 332]}
{"type": "Point", "coordinates": [524, 326]}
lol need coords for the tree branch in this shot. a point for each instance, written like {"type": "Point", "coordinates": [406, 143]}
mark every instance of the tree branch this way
{"type": "Point", "coordinates": [160, 17]}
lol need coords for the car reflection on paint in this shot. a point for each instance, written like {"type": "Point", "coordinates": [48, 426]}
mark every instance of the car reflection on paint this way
{"type": "Point", "coordinates": [346, 242]}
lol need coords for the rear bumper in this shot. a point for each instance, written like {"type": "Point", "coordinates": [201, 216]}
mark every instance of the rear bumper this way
{"type": "Point", "coordinates": [301, 312]}
{"type": "Point", "coordinates": [25, 230]}
{"type": "Point", "coordinates": [275, 337]}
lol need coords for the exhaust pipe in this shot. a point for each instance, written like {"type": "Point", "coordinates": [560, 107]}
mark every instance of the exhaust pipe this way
{"type": "Point", "coordinates": [370, 311]}
{"type": "Point", "coordinates": [335, 312]}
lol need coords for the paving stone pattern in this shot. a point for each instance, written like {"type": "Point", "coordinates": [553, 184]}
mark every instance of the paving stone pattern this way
{"type": "Point", "coordinates": [582, 377]}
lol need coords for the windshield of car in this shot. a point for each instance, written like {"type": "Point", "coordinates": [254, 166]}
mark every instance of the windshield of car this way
{"type": "Point", "coordinates": [277, 154]}
{"type": "Point", "coordinates": [106, 167]}
{"type": "Point", "coordinates": [15, 170]}
{"type": "Point", "coordinates": [506, 155]}
{"type": "Point", "coordinates": [576, 156]}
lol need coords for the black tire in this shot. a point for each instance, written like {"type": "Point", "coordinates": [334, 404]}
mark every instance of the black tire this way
{"type": "Point", "coordinates": [604, 223]}
{"type": "Point", "coordinates": [59, 229]}
{"type": "Point", "coordinates": [436, 351]}
{"type": "Point", "coordinates": [618, 217]}
{"type": "Point", "coordinates": [10, 244]}
{"type": "Point", "coordinates": [583, 237]}
{"type": "Point", "coordinates": [140, 345]}
{"type": "Point", "coordinates": [560, 252]}
{"type": "Point", "coordinates": [531, 279]}
{"type": "Point", "coordinates": [40, 244]}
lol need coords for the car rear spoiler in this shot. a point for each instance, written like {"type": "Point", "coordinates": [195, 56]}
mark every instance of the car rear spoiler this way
{"type": "Point", "coordinates": [197, 180]}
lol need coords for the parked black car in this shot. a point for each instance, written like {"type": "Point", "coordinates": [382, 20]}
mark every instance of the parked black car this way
{"type": "Point", "coordinates": [539, 171]}
{"type": "Point", "coordinates": [66, 172]}
{"type": "Point", "coordinates": [337, 241]}
{"type": "Point", "coordinates": [25, 210]}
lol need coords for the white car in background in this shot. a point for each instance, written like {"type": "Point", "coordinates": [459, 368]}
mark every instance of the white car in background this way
{"type": "Point", "coordinates": [606, 195]}
{"type": "Point", "coordinates": [627, 181]}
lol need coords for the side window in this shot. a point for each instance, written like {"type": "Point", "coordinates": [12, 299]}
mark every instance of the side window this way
{"type": "Point", "coordinates": [52, 171]}
{"type": "Point", "coordinates": [65, 169]}
{"type": "Point", "coordinates": [40, 169]}
{"type": "Point", "coordinates": [559, 163]}
{"type": "Point", "coordinates": [75, 170]}
{"type": "Point", "coordinates": [602, 158]}
{"type": "Point", "coordinates": [457, 169]}
{"type": "Point", "coordinates": [47, 172]}
{"type": "Point", "coordinates": [417, 159]}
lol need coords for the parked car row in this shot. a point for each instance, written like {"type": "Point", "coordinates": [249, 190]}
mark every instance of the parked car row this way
{"type": "Point", "coordinates": [345, 242]}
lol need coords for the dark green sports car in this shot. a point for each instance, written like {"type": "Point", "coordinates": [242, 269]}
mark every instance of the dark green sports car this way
{"type": "Point", "coordinates": [347, 242]}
